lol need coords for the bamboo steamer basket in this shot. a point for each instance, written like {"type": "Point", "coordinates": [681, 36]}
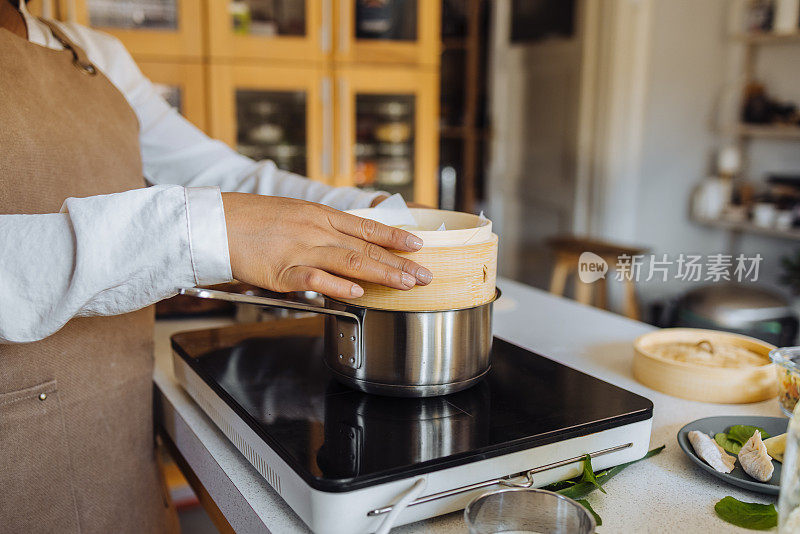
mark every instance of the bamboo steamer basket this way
{"type": "Point", "coordinates": [462, 258]}
{"type": "Point", "coordinates": [704, 383]}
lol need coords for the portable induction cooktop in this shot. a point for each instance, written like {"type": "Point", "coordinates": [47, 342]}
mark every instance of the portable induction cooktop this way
{"type": "Point", "coordinates": [341, 458]}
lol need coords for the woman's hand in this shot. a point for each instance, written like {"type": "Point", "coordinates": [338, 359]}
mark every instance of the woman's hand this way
{"type": "Point", "coordinates": [284, 244]}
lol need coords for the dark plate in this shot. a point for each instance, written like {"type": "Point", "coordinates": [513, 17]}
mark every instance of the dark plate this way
{"type": "Point", "coordinates": [711, 425]}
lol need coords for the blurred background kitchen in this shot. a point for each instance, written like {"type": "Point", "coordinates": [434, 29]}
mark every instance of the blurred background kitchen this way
{"type": "Point", "coordinates": [613, 126]}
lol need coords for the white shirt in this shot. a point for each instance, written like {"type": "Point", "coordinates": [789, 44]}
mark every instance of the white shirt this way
{"type": "Point", "coordinates": [112, 254]}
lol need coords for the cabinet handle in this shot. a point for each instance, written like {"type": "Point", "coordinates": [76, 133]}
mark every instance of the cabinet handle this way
{"type": "Point", "coordinates": [344, 130]}
{"type": "Point", "coordinates": [327, 128]}
{"type": "Point", "coordinates": [344, 25]}
{"type": "Point", "coordinates": [325, 30]}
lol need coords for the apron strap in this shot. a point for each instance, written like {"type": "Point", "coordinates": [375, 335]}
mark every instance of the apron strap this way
{"type": "Point", "coordinates": [79, 57]}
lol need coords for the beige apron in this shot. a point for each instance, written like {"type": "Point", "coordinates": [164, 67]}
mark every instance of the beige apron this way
{"type": "Point", "coordinates": [76, 420]}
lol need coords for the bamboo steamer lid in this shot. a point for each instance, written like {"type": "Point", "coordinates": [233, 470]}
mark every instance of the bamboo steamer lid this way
{"type": "Point", "coordinates": [726, 385]}
{"type": "Point", "coordinates": [462, 258]}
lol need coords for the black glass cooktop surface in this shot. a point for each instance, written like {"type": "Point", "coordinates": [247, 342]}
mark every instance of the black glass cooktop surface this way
{"type": "Point", "coordinates": [338, 439]}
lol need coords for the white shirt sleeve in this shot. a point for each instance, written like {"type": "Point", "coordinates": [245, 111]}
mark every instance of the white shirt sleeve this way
{"type": "Point", "coordinates": [103, 255]}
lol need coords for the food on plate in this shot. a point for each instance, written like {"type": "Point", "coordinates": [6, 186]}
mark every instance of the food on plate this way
{"type": "Point", "coordinates": [711, 453]}
{"type": "Point", "coordinates": [776, 447]}
{"type": "Point", "coordinates": [730, 445]}
{"type": "Point", "coordinates": [708, 354]}
{"type": "Point", "coordinates": [742, 433]}
{"type": "Point", "coordinates": [755, 460]}
{"type": "Point", "coordinates": [737, 435]}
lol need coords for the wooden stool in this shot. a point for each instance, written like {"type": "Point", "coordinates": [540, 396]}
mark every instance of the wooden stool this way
{"type": "Point", "coordinates": [567, 250]}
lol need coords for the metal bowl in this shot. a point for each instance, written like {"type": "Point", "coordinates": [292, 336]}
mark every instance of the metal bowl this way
{"type": "Point", "coordinates": [527, 510]}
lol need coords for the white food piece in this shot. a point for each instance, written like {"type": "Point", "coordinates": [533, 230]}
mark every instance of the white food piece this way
{"type": "Point", "coordinates": [755, 460]}
{"type": "Point", "coordinates": [776, 446]}
{"type": "Point", "coordinates": [710, 452]}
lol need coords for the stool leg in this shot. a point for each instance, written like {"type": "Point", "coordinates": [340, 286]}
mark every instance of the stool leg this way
{"type": "Point", "coordinates": [601, 294]}
{"type": "Point", "coordinates": [631, 304]}
{"type": "Point", "coordinates": [558, 280]}
{"type": "Point", "coordinates": [583, 292]}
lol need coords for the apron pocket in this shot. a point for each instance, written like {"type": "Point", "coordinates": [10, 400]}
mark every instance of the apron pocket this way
{"type": "Point", "coordinates": [35, 471]}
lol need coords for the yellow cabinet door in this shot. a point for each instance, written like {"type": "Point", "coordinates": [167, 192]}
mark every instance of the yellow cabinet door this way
{"type": "Point", "coordinates": [182, 85]}
{"type": "Point", "coordinates": [388, 31]}
{"type": "Point", "coordinates": [37, 8]}
{"type": "Point", "coordinates": [275, 29]}
{"type": "Point", "coordinates": [283, 114]}
{"type": "Point", "coordinates": [148, 28]}
{"type": "Point", "coordinates": [387, 130]}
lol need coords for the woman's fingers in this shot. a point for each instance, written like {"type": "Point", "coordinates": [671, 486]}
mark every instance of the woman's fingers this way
{"type": "Point", "coordinates": [374, 232]}
{"type": "Point", "coordinates": [379, 254]}
{"type": "Point", "coordinates": [304, 278]}
{"type": "Point", "coordinates": [354, 264]}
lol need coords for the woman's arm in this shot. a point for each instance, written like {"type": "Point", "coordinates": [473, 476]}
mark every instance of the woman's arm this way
{"type": "Point", "coordinates": [106, 255]}
{"type": "Point", "coordinates": [112, 254]}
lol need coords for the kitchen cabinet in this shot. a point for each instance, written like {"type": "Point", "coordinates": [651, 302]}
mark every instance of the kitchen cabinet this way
{"type": "Point", "coordinates": [147, 28]}
{"type": "Point", "coordinates": [269, 29]}
{"type": "Point", "coordinates": [282, 113]}
{"type": "Point", "coordinates": [182, 85]}
{"type": "Point", "coordinates": [393, 31]}
{"type": "Point", "coordinates": [37, 8]}
{"type": "Point", "coordinates": [354, 31]}
{"type": "Point", "coordinates": [342, 91]}
{"type": "Point", "coordinates": [386, 133]}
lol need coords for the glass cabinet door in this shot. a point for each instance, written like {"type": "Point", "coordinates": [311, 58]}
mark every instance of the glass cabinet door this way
{"type": "Point", "coordinates": [281, 114]}
{"type": "Point", "coordinates": [269, 29]}
{"type": "Point", "coordinates": [182, 85]}
{"type": "Point", "coordinates": [388, 31]}
{"type": "Point", "coordinates": [156, 28]}
{"type": "Point", "coordinates": [387, 131]}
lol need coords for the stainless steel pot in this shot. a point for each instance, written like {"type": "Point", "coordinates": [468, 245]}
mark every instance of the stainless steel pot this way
{"type": "Point", "coordinates": [396, 353]}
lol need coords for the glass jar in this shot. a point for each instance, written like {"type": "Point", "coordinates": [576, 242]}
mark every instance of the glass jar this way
{"type": "Point", "coordinates": [788, 361]}
{"type": "Point", "coordinates": [789, 499]}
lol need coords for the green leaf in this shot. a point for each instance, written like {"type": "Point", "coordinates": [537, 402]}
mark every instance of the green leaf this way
{"type": "Point", "coordinates": [728, 444]}
{"type": "Point", "coordinates": [583, 488]}
{"type": "Point", "coordinates": [742, 433]}
{"type": "Point", "coordinates": [555, 486]}
{"type": "Point", "coordinates": [588, 473]}
{"type": "Point", "coordinates": [585, 504]}
{"type": "Point", "coordinates": [747, 514]}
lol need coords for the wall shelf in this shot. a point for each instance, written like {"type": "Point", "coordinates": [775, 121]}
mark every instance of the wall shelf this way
{"type": "Point", "coordinates": [750, 228]}
{"type": "Point", "coordinates": [771, 131]}
{"type": "Point", "coordinates": [766, 38]}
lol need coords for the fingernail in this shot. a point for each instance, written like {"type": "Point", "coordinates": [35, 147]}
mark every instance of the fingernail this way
{"type": "Point", "coordinates": [356, 291]}
{"type": "Point", "coordinates": [424, 275]}
{"type": "Point", "coordinates": [408, 280]}
{"type": "Point", "coordinates": [413, 242]}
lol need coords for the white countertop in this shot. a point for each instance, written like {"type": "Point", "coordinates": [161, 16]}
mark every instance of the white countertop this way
{"type": "Point", "coordinates": [662, 494]}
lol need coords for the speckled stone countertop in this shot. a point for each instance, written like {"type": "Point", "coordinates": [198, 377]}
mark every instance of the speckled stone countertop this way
{"type": "Point", "coordinates": [666, 493]}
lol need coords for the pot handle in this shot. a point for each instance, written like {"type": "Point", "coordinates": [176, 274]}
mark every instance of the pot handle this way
{"type": "Point", "coordinates": [348, 342]}
{"type": "Point", "coordinates": [264, 301]}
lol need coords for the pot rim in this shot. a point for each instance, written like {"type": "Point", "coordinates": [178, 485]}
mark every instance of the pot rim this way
{"type": "Point", "coordinates": [497, 295]}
